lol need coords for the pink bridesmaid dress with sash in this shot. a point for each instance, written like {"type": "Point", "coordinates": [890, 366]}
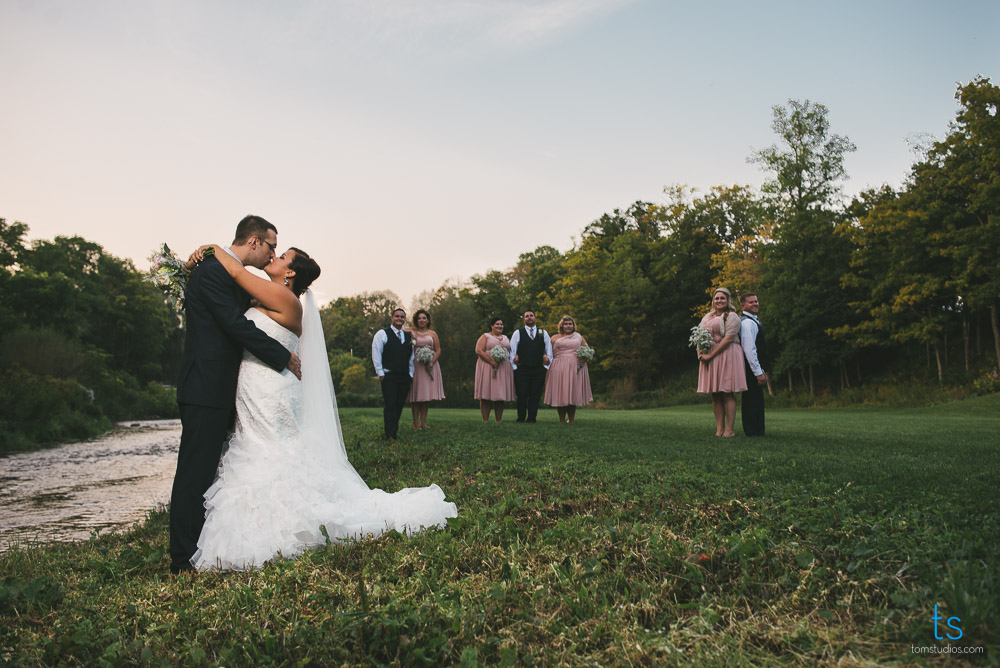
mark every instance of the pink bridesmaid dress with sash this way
{"type": "Point", "coordinates": [424, 387]}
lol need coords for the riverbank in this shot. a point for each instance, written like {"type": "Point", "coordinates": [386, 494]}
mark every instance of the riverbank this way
{"type": "Point", "coordinates": [630, 537]}
{"type": "Point", "coordinates": [71, 491]}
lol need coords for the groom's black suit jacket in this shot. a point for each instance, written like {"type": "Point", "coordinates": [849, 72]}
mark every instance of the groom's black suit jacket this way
{"type": "Point", "coordinates": [217, 333]}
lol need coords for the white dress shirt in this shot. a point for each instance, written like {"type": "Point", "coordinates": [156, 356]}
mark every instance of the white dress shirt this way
{"type": "Point", "coordinates": [748, 339]}
{"type": "Point", "coordinates": [532, 332]}
{"type": "Point", "coordinates": [378, 344]}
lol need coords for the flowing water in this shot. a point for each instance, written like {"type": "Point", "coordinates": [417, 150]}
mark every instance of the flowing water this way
{"type": "Point", "coordinates": [70, 491]}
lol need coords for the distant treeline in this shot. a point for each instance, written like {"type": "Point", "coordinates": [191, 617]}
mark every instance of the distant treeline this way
{"type": "Point", "coordinates": [900, 285]}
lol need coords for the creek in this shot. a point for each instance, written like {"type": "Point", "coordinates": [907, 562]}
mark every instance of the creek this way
{"type": "Point", "coordinates": [68, 492]}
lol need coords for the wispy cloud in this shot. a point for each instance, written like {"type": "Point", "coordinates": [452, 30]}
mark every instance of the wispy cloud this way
{"type": "Point", "coordinates": [523, 23]}
{"type": "Point", "coordinates": [463, 23]}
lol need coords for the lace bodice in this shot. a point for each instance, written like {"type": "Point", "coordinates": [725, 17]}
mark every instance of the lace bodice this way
{"type": "Point", "coordinates": [268, 403]}
{"type": "Point", "coordinates": [265, 324]}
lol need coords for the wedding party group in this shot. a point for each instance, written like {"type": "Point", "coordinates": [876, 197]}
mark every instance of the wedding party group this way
{"type": "Point", "coordinates": [524, 368]}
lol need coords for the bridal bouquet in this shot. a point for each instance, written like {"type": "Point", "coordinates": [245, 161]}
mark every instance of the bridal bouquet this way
{"type": "Point", "coordinates": [499, 354]}
{"type": "Point", "coordinates": [170, 274]}
{"type": "Point", "coordinates": [701, 339]}
{"type": "Point", "coordinates": [584, 354]}
{"type": "Point", "coordinates": [425, 355]}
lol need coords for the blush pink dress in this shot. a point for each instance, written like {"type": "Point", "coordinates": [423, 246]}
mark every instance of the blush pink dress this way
{"type": "Point", "coordinates": [568, 384]}
{"type": "Point", "coordinates": [500, 387]}
{"type": "Point", "coordinates": [424, 388]}
{"type": "Point", "coordinates": [724, 372]}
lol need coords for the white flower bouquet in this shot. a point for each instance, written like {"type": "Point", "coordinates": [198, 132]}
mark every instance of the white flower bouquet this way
{"type": "Point", "coordinates": [425, 355]}
{"type": "Point", "coordinates": [701, 339]}
{"type": "Point", "coordinates": [584, 354]}
{"type": "Point", "coordinates": [499, 354]}
{"type": "Point", "coordinates": [170, 274]}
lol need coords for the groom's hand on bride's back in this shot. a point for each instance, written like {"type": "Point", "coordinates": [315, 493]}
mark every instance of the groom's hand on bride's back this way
{"type": "Point", "coordinates": [295, 365]}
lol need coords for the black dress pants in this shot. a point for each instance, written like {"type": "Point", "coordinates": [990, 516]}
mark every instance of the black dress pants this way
{"type": "Point", "coordinates": [752, 406]}
{"type": "Point", "coordinates": [395, 387]}
{"type": "Point", "coordinates": [203, 435]}
{"type": "Point", "coordinates": [529, 384]}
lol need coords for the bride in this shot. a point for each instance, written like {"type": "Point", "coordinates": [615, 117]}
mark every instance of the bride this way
{"type": "Point", "coordinates": [285, 484]}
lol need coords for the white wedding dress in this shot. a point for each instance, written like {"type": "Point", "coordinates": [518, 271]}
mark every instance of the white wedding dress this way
{"type": "Point", "coordinates": [285, 476]}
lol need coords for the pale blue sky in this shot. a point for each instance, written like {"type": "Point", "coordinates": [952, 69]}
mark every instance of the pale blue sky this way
{"type": "Point", "coordinates": [405, 142]}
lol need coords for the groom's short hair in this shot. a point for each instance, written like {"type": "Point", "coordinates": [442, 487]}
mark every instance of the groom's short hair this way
{"type": "Point", "coordinates": [252, 226]}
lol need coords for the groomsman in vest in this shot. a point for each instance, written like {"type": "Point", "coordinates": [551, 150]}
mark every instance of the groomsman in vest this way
{"type": "Point", "coordinates": [530, 354]}
{"type": "Point", "coordinates": [392, 354]}
{"type": "Point", "coordinates": [755, 355]}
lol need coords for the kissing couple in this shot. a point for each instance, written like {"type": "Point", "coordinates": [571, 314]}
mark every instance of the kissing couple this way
{"type": "Point", "coordinates": [277, 481]}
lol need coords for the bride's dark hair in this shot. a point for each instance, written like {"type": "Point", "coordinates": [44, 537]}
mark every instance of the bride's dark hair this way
{"type": "Point", "coordinates": [306, 271]}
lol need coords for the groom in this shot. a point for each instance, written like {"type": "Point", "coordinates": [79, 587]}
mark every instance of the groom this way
{"type": "Point", "coordinates": [217, 333]}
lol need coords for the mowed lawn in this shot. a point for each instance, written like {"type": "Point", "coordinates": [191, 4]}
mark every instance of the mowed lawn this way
{"type": "Point", "coordinates": [628, 538]}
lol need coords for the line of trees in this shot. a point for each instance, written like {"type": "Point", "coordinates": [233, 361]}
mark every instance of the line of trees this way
{"type": "Point", "coordinates": [849, 288]}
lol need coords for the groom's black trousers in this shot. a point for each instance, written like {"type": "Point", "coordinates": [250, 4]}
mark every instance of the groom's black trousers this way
{"type": "Point", "coordinates": [202, 439]}
{"type": "Point", "coordinates": [529, 384]}
{"type": "Point", "coordinates": [395, 387]}
{"type": "Point", "coordinates": [752, 405]}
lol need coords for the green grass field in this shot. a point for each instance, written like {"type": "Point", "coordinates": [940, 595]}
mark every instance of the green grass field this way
{"type": "Point", "coordinates": [628, 538]}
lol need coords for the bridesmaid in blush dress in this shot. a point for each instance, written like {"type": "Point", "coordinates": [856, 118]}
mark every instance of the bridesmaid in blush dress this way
{"type": "Point", "coordinates": [427, 385]}
{"type": "Point", "coordinates": [494, 380]}
{"type": "Point", "coordinates": [568, 383]}
{"type": "Point", "coordinates": [721, 370]}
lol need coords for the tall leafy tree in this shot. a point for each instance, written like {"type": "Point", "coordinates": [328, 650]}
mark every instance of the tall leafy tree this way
{"type": "Point", "coordinates": [72, 286]}
{"type": "Point", "coordinates": [897, 273]}
{"type": "Point", "coordinates": [349, 323]}
{"type": "Point", "coordinates": [495, 295]}
{"type": "Point", "coordinates": [12, 243]}
{"type": "Point", "coordinates": [458, 326]}
{"type": "Point", "coordinates": [534, 277]}
{"type": "Point", "coordinates": [963, 171]}
{"type": "Point", "coordinates": [802, 268]}
{"type": "Point", "coordinates": [610, 286]}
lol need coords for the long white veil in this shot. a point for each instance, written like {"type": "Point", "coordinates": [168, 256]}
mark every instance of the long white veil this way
{"type": "Point", "coordinates": [320, 425]}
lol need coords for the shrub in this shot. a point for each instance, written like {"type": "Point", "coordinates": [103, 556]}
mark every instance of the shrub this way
{"type": "Point", "coordinates": [42, 351]}
{"type": "Point", "coordinates": [357, 381]}
{"type": "Point", "coordinates": [340, 362]}
{"type": "Point", "coordinates": [989, 382]}
{"type": "Point", "coordinates": [41, 409]}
